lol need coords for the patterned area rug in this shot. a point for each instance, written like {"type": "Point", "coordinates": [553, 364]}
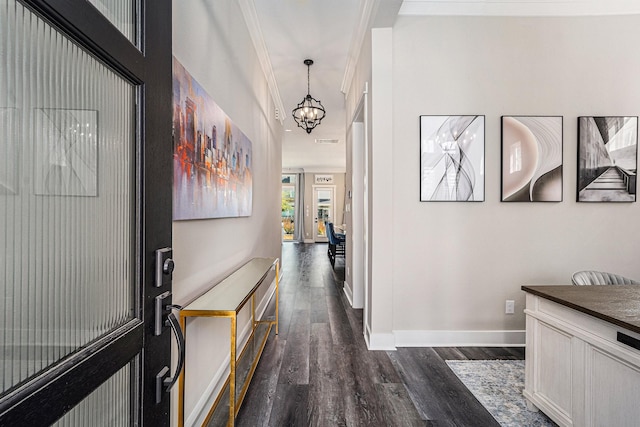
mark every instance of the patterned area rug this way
{"type": "Point", "coordinates": [498, 385]}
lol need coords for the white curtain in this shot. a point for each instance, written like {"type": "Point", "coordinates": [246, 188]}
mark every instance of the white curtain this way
{"type": "Point", "coordinates": [299, 209]}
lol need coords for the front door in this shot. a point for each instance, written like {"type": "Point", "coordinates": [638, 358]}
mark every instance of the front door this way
{"type": "Point", "coordinates": [324, 210]}
{"type": "Point", "coordinates": [85, 201]}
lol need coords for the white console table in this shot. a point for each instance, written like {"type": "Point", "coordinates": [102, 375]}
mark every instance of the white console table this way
{"type": "Point", "coordinates": [583, 354]}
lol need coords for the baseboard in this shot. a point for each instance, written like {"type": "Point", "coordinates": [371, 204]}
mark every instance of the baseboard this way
{"type": "Point", "coordinates": [459, 338]}
{"type": "Point", "coordinates": [381, 342]}
{"type": "Point", "coordinates": [208, 398]}
{"type": "Point", "coordinates": [348, 292]}
{"type": "Point", "coordinates": [309, 241]}
{"type": "Point", "coordinates": [367, 335]}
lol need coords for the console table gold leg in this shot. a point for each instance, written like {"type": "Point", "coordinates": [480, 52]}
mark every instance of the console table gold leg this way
{"type": "Point", "coordinates": [232, 374]}
{"type": "Point", "coordinates": [277, 285]}
{"type": "Point", "coordinates": [183, 325]}
{"type": "Point", "coordinates": [253, 311]}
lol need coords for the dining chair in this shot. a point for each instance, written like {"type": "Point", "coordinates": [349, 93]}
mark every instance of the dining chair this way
{"type": "Point", "coordinates": [592, 277]}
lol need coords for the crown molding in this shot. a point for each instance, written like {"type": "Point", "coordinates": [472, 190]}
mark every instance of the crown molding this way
{"type": "Point", "coordinates": [367, 8]}
{"type": "Point", "coordinates": [520, 8]}
{"type": "Point", "coordinates": [255, 31]}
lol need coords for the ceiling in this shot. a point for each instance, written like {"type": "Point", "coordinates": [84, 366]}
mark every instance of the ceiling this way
{"type": "Point", "coordinates": [286, 32]}
{"type": "Point", "coordinates": [321, 30]}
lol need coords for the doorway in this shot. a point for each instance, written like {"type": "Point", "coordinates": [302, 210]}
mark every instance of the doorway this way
{"type": "Point", "coordinates": [324, 211]}
{"type": "Point", "coordinates": [288, 212]}
{"type": "Point", "coordinates": [358, 241]}
{"type": "Point", "coordinates": [85, 137]}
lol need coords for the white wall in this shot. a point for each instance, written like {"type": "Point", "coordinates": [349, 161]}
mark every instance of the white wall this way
{"type": "Point", "coordinates": [211, 40]}
{"type": "Point", "coordinates": [455, 264]}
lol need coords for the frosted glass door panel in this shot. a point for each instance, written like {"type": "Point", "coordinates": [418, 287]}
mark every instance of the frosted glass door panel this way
{"type": "Point", "coordinates": [108, 406]}
{"type": "Point", "coordinates": [121, 13]}
{"type": "Point", "coordinates": [67, 196]}
{"type": "Point", "coordinates": [323, 210]}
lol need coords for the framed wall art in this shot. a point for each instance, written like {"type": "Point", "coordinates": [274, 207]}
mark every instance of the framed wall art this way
{"type": "Point", "coordinates": [531, 158]}
{"type": "Point", "coordinates": [452, 158]}
{"type": "Point", "coordinates": [607, 159]}
{"type": "Point", "coordinates": [212, 158]}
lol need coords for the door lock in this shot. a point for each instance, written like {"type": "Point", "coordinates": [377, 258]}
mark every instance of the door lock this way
{"type": "Point", "coordinates": [164, 267]}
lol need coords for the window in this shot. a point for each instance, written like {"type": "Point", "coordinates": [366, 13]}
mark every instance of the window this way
{"type": "Point", "coordinates": [288, 206]}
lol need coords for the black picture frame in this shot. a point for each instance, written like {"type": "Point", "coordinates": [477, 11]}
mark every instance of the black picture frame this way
{"type": "Point", "coordinates": [531, 158]}
{"type": "Point", "coordinates": [607, 159]}
{"type": "Point", "coordinates": [452, 158]}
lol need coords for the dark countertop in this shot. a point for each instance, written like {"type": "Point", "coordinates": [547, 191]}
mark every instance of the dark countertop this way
{"type": "Point", "coordinates": [616, 304]}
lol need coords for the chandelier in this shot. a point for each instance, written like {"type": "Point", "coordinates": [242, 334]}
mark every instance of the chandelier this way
{"type": "Point", "coordinates": [310, 112]}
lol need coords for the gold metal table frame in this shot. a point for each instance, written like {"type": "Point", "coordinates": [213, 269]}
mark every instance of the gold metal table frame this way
{"type": "Point", "coordinates": [226, 299]}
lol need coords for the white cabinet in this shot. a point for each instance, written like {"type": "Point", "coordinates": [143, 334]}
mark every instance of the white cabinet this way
{"type": "Point", "coordinates": [576, 370]}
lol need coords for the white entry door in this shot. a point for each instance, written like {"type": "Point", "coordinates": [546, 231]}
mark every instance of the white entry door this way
{"type": "Point", "coordinates": [323, 210]}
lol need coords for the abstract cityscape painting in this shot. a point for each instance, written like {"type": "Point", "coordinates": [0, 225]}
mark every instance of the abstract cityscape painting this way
{"type": "Point", "coordinates": [66, 163]}
{"type": "Point", "coordinates": [607, 159]}
{"type": "Point", "coordinates": [531, 158]}
{"type": "Point", "coordinates": [452, 158]}
{"type": "Point", "coordinates": [212, 158]}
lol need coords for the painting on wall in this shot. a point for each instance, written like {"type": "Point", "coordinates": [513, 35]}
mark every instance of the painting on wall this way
{"type": "Point", "coordinates": [66, 161]}
{"type": "Point", "coordinates": [532, 158]}
{"type": "Point", "coordinates": [607, 159]}
{"type": "Point", "coordinates": [212, 158]}
{"type": "Point", "coordinates": [452, 158]}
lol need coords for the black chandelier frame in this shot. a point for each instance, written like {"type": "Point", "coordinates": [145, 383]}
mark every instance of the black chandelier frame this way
{"type": "Point", "coordinates": [309, 113]}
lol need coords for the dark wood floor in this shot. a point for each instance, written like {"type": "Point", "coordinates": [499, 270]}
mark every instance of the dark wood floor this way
{"type": "Point", "coordinates": [318, 371]}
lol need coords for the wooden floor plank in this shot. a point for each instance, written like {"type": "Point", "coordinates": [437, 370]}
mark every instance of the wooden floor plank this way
{"type": "Point", "coordinates": [319, 309]}
{"type": "Point", "coordinates": [303, 299]}
{"type": "Point", "coordinates": [295, 361]}
{"type": "Point", "coordinates": [436, 391]}
{"type": "Point", "coordinates": [363, 404]}
{"type": "Point", "coordinates": [450, 353]}
{"type": "Point", "coordinates": [341, 331]}
{"type": "Point", "coordinates": [263, 386]}
{"type": "Point", "coordinates": [326, 401]}
{"type": "Point", "coordinates": [289, 406]}
{"type": "Point", "coordinates": [397, 408]}
{"type": "Point", "coordinates": [286, 303]}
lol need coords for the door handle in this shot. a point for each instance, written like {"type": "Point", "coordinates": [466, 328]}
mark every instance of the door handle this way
{"type": "Point", "coordinates": [172, 321]}
{"type": "Point", "coordinates": [164, 382]}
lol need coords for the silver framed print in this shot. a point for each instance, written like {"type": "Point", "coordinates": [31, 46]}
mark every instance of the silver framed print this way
{"type": "Point", "coordinates": [452, 158]}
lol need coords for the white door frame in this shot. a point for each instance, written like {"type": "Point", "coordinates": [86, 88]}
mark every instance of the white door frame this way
{"type": "Point", "coordinates": [332, 213]}
{"type": "Point", "coordinates": [359, 227]}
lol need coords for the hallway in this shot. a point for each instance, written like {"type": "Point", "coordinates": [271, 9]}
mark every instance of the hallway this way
{"type": "Point", "coordinates": [318, 371]}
